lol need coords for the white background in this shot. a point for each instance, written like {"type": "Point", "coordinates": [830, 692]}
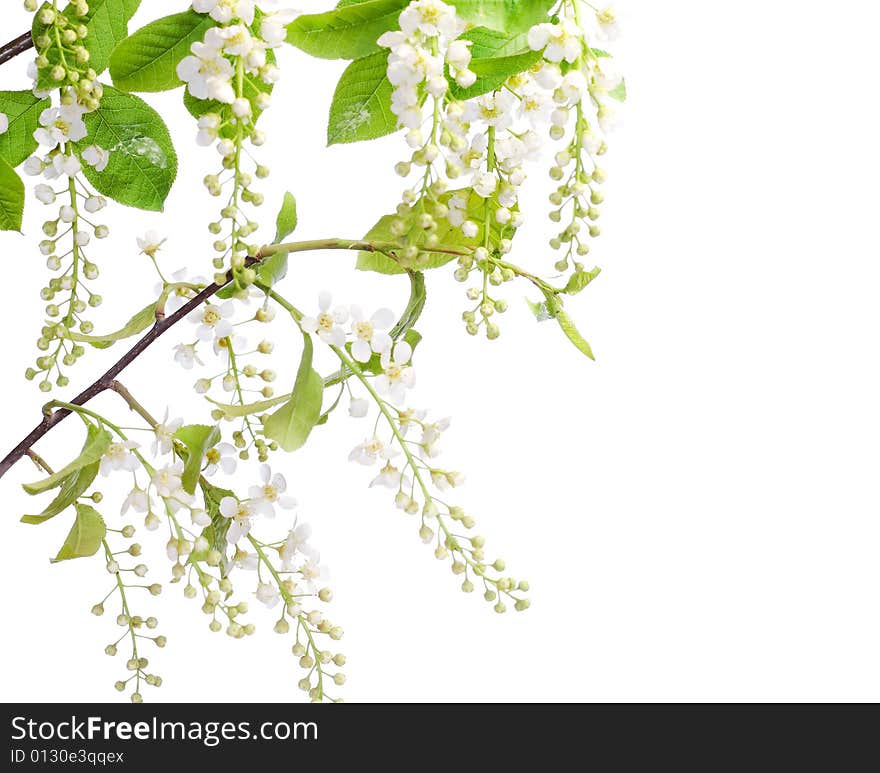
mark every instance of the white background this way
{"type": "Point", "coordinates": [697, 512]}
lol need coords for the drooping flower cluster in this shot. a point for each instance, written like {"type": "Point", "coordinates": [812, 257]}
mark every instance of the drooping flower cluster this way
{"type": "Point", "coordinates": [61, 70]}
{"type": "Point", "coordinates": [215, 543]}
{"type": "Point", "coordinates": [233, 67]}
{"type": "Point", "coordinates": [418, 483]}
{"type": "Point", "coordinates": [482, 142]}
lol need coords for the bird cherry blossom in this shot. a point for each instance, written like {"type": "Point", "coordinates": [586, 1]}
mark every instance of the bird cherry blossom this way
{"type": "Point", "coordinates": [327, 325]}
{"type": "Point", "coordinates": [370, 335]}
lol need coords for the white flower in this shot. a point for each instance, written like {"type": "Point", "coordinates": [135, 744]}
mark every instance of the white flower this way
{"type": "Point", "coordinates": [213, 321]}
{"type": "Point", "coordinates": [235, 40]}
{"type": "Point", "coordinates": [118, 456]}
{"type": "Point", "coordinates": [224, 11]}
{"type": "Point", "coordinates": [163, 433]}
{"type": "Point", "coordinates": [432, 18]}
{"type": "Point", "coordinates": [484, 185]}
{"type": "Point", "coordinates": [548, 76]}
{"type": "Point", "coordinates": [609, 26]}
{"type": "Point", "coordinates": [4, 123]}
{"type": "Point", "coordinates": [223, 456]}
{"type": "Point", "coordinates": [558, 41]}
{"type": "Point", "coordinates": [410, 417]}
{"type": "Point", "coordinates": [389, 477]}
{"type": "Point", "coordinates": [167, 480]}
{"type": "Point", "coordinates": [358, 407]}
{"type": "Point", "coordinates": [574, 86]}
{"type": "Point", "coordinates": [33, 166]}
{"type": "Point", "coordinates": [95, 204]}
{"type": "Point", "coordinates": [61, 124]}
{"type": "Point", "coordinates": [535, 106]}
{"type": "Point", "coordinates": [273, 27]}
{"type": "Point", "coordinates": [44, 193]}
{"type": "Point", "coordinates": [327, 324]}
{"type": "Point", "coordinates": [150, 243]}
{"type": "Point", "coordinates": [137, 499]}
{"type": "Point", "coordinates": [297, 542]}
{"type": "Point", "coordinates": [431, 434]}
{"type": "Point", "coordinates": [209, 125]}
{"type": "Point", "coordinates": [207, 73]}
{"type": "Point", "coordinates": [397, 375]}
{"type": "Point", "coordinates": [186, 355]}
{"type": "Point", "coordinates": [494, 109]}
{"type": "Point", "coordinates": [271, 492]}
{"type": "Point", "coordinates": [459, 53]}
{"type": "Point", "coordinates": [62, 165]}
{"type": "Point", "coordinates": [268, 594]}
{"type": "Point", "coordinates": [96, 156]}
{"type": "Point", "coordinates": [370, 334]}
{"type": "Point", "coordinates": [371, 451]}
{"type": "Point", "coordinates": [240, 513]}
{"type": "Point", "coordinates": [314, 574]}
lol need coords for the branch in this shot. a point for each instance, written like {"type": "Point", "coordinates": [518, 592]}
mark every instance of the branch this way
{"type": "Point", "coordinates": [106, 381]}
{"type": "Point", "coordinates": [15, 47]}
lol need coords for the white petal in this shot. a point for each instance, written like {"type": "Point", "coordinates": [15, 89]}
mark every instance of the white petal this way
{"type": "Point", "coordinates": [361, 350]}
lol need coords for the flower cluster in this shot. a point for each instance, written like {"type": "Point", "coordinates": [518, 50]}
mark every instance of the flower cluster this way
{"type": "Point", "coordinates": [583, 113]}
{"type": "Point", "coordinates": [62, 60]}
{"type": "Point", "coordinates": [213, 545]}
{"type": "Point", "coordinates": [61, 137]}
{"type": "Point", "coordinates": [132, 625]}
{"type": "Point", "coordinates": [418, 484]}
{"type": "Point", "coordinates": [230, 75]}
{"type": "Point", "coordinates": [482, 143]}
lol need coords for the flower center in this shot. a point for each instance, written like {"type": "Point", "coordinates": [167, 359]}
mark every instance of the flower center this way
{"type": "Point", "coordinates": [213, 456]}
{"type": "Point", "coordinates": [363, 330]}
{"type": "Point", "coordinates": [210, 317]}
{"type": "Point", "coordinates": [325, 321]}
{"type": "Point", "coordinates": [270, 493]}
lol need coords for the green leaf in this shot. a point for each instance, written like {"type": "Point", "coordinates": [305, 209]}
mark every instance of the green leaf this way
{"type": "Point", "coordinates": [143, 163]}
{"type": "Point", "coordinates": [347, 32]}
{"type": "Point", "coordinates": [286, 220]}
{"type": "Point", "coordinates": [599, 53]}
{"type": "Point", "coordinates": [571, 331]}
{"type": "Point", "coordinates": [237, 411]}
{"type": "Point", "coordinates": [361, 107]}
{"type": "Point", "coordinates": [274, 268]}
{"type": "Point", "coordinates": [11, 198]}
{"type": "Point", "coordinates": [85, 537]}
{"type": "Point", "coordinates": [504, 15]}
{"type": "Point", "coordinates": [198, 439]}
{"type": "Point", "coordinates": [491, 44]}
{"type": "Point", "coordinates": [491, 73]}
{"type": "Point", "coordinates": [107, 22]}
{"type": "Point", "coordinates": [291, 424]}
{"type": "Point", "coordinates": [215, 533]}
{"type": "Point", "coordinates": [147, 60]}
{"type": "Point", "coordinates": [619, 91]}
{"type": "Point", "coordinates": [580, 279]}
{"type": "Point", "coordinates": [23, 110]}
{"type": "Point", "coordinates": [145, 318]}
{"type": "Point", "coordinates": [97, 442]}
{"type": "Point", "coordinates": [73, 488]}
